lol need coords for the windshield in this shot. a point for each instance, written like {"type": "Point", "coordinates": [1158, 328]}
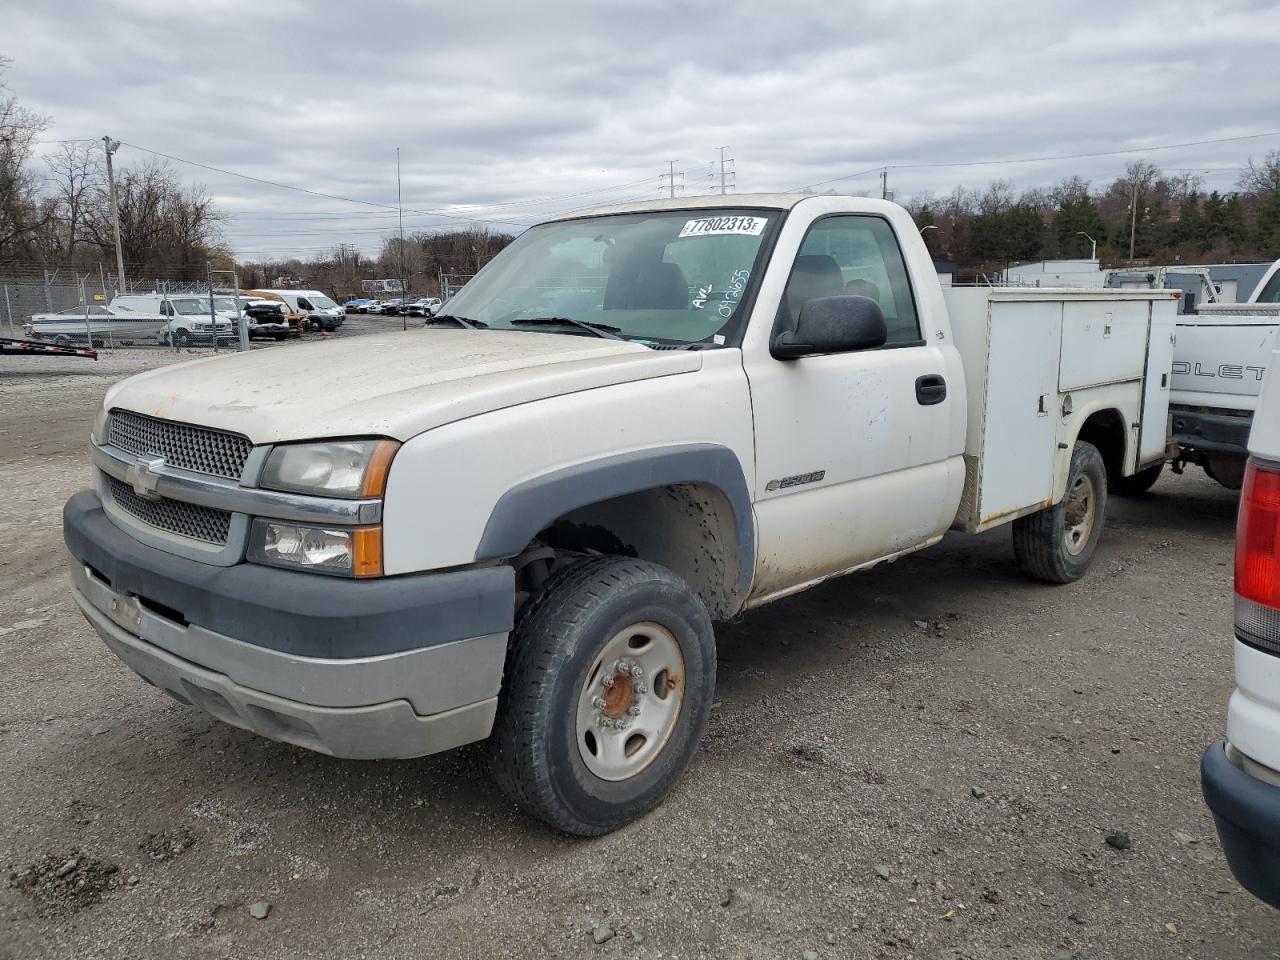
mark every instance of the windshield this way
{"type": "Point", "coordinates": [322, 302]}
{"type": "Point", "coordinates": [191, 308]}
{"type": "Point", "coordinates": [1271, 292]}
{"type": "Point", "coordinates": [669, 277]}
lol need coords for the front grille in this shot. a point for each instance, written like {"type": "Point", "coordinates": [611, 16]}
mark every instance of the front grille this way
{"type": "Point", "coordinates": [182, 445]}
{"type": "Point", "coordinates": [173, 516]}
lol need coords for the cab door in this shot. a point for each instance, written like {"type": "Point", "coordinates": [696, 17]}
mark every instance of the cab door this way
{"type": "Point", "coordinates": [854, 451]}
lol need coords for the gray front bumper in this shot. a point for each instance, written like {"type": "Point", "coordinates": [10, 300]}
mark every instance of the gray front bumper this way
{"type": "Point", "coordinates": [392, 706]}
{"type": "Point", "coordinates": [384, 668]}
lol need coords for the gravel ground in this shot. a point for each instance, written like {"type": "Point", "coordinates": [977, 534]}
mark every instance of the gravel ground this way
{"type": "Point", "coordinates": [921, 761]}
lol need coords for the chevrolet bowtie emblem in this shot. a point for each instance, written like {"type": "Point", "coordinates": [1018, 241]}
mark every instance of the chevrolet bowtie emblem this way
{"type": "Point", "coordinates": [144, 477]}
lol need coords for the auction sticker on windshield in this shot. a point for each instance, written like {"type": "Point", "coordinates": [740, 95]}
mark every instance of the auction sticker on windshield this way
{"type": "Point", "coordinates": [714, 226]}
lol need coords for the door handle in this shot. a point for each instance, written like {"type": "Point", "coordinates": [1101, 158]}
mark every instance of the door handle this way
{"type": "Point", "coordinates": [930, 389]}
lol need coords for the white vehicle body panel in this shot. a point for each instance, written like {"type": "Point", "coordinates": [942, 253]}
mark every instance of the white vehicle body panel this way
{"type": "Point", "coordinates": [1220, 360]}
{"type": "Point", "coordinates": [445, 481]}
{"type": "Point", "coordinates": [887, 485]}
{"type": "Point", "coordinates": [387, 386]}
{"type": "Point", "coordinates": [1038, 363]}
{"type": "Point", "coordinates": [1253, 712]}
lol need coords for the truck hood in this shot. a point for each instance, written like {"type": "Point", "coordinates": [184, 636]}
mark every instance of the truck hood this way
{"type": "Point", "coordinates": [390, 385]}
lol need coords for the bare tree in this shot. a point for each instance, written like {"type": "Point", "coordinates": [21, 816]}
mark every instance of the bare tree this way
{"type": "Point", "coordinates": [21, 213]}
{"type": "Point", "coordinates": [75, 175]}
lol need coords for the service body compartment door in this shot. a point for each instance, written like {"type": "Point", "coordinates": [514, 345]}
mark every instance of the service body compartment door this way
{"type": "Point", "coordinates": [1019, 431]}
{"type": "Point", "coordinates": [1156, 387]}
{"type": "Point", "coordinates": [1103, 341]}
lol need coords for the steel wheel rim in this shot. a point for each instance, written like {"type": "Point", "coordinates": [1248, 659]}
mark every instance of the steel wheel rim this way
{"type": "Point", "coordinates": [630, 701]}
{"type": "Point", "coordinates": [1081, 511]}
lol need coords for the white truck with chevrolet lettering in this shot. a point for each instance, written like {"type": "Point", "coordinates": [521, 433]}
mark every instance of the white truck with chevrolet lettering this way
{"type": "Point", "coordinates": [521, 521]}
{"type": "Point", "coordinates": [1221, 355]}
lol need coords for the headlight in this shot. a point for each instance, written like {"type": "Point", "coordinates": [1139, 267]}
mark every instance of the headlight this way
{"type": "Point", "coordinates": [349, 468]}
{"type": "Point", "coordinates": [349, 552]}
{"type": "Point", "coordinates": [100, 427]}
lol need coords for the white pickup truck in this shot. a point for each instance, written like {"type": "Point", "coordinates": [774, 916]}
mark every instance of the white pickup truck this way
{"type": "Point", "coordinates": [1222, 353]}
{"type": "Point", "coordinates": [521, 522]}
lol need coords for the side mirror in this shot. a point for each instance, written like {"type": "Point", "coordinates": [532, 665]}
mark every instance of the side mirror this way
{"type": "Point", "coordinates": [833, 325]}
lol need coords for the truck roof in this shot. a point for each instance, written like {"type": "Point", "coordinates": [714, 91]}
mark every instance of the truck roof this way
{"type": "Point", "coordinates": [768, 201]}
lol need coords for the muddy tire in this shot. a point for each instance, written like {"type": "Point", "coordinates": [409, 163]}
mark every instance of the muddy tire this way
{"type": "Point", "coordinates": [606, 694]}
{"type": "Point", "coordinates": [1056, 544]}
{"type": "Point", "coordinates": [1136, 485]}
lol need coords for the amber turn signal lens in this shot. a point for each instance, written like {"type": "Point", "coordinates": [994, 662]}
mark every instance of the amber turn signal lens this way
{"type": "Point", "coordinates": [375, 475]}
{"type": "Point", "coordinates": [366, 552]}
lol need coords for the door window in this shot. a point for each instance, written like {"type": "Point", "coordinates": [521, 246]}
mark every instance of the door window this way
{"type": "Point", "coordinates": [855, 256]}
{"type": "Point", "coordinates": [304, 304]}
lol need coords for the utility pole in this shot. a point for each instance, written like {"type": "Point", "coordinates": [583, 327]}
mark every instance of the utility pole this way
{"type": "Point", "coordinates": [884, 184]}
{"type": "Point", "coordinates": [1133, 217]}
{"type": "Point", "coordinates": [111, 146]}
{"type": "Point", "coordinates": [670, 177]}
{"type": "Point", "coordinates": [723, 161]}
{"type": "Point", "coordinates": [404, 291]}
{"type": "Point", "coordinates": [213, 317]}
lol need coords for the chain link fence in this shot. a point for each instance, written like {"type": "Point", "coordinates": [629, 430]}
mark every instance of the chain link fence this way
{"type": "Point", "coordinates": [80, 296]}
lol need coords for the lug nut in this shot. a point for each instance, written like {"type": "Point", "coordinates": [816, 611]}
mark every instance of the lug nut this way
{"type": "Point", "coordinates": [599, 703]}
{"type": "Point", "coordinates": [641, 688]}
{"type": "Point", "coordinates": [634, 710]}
{"type": "Point", "coordinates": [637, 671]}
{"type": "Point", "coordinates": [606, 680]}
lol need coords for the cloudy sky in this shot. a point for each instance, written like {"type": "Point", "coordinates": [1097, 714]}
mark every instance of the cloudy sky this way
{"type": "Point", "coordinates": [505, 112]}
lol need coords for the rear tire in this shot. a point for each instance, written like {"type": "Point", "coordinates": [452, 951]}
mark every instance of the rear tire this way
{"type": "Point", "coordinates": [1136, 485]}
{"type": "Point", "coordinates": [1056, 544]}
{"type": "Point", "coordinates": [564, 753]}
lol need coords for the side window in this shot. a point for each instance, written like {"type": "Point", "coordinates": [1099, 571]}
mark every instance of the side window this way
{"type": "Point", "coordinates": [855, 256]}
{"type": "Point", "coordinates": [304, 304]}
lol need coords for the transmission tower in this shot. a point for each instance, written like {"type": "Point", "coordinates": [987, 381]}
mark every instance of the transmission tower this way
{"type": "Point", "coordinates": [671, 178]}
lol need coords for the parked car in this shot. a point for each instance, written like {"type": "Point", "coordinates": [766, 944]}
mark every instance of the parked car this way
{"type": "Point", "coordinates": [1240, 775]}
{"type": "Point", "coordinates": [268, 319]}
{"type": "Point", "coordinates": [355, 306]}
{"type": "Point", "coordinates": [422, 307]}
{"type": "Point", "coordinates": [328, 322]}
{"type": "Point", "coordinates": [389, 308]}
{"type": "Point", "coordinates": [749, 402]}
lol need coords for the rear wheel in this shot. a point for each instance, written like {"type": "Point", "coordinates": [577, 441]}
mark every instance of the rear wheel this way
{"type": "Point", "coordinates": [1057, 543]}
{"type": "Point", "coordinates": [62, 340]}
{"type": "Point", "coordinates": [606, 695]}
{"type": "Point", "coordinates": [1136, 485]}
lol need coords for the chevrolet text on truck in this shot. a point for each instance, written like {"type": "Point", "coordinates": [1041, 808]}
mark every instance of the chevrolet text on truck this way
{"type": "Point", "coordinates": [521, 522]}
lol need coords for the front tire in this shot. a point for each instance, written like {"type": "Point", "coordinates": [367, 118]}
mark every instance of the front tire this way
{"type": "Point", "coordinates": [1056, 544]}
{"type": "Point", "coordinates": [607, 691]}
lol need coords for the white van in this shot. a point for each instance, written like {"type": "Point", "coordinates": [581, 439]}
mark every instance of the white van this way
{"type": "Point", "coordinates": [189, 315]}
{"type": "Point", "coordinates": [304, 304]}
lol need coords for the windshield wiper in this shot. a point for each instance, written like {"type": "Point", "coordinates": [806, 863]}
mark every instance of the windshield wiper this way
{"type": "Point", "coordinates": [595, 329]}
{"type": "Point", "coordinates": [460, 321]}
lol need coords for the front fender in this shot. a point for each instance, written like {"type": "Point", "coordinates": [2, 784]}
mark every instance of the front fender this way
{"type": "Point", "coordinates": [534, 504]}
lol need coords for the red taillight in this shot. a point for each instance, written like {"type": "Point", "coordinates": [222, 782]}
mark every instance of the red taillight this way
{"type": "Point", "coordinates": [1258, 536]}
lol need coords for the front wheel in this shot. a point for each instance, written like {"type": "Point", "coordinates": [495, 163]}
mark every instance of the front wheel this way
{"type": "Point", "coordinates": [1057, 543]}
{"type": "Point", "coordinates": [606, 694]}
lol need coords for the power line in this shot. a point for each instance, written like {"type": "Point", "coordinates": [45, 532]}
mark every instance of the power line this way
{"type": "Point", "coordinates": [1069, 156]}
